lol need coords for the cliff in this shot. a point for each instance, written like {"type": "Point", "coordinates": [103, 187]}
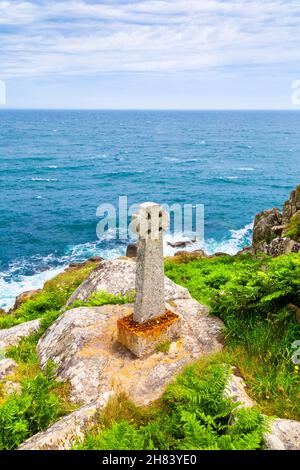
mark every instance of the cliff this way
{"type": "Point", "coordinates": [277, 232]}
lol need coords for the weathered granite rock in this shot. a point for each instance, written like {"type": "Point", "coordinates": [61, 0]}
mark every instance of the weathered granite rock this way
{"type": "Point", "coordinates": [271, 231]}
{"type": "Point", "coordinates": [23, 297]}
{"type": "Point", "coordinates": [291, 206]}
{"type": "Point", "coordinates": [83, 344]}
{"type": "Point", "coordinates": [76, 265]}
{"type": "Point", "coordinates": [284, 435]}
{"type": "Point", "coordinates": [118, 277]}
{"type": "Point", "coordinates": [247, 249]}
{"type": "Point", "coordinates": [282, 246]}
{"type": "Point", "coordinates": [131, 250]}
{"type": "Point", "coordinates": [190, 255]}
{"type": "Point", "coordinates": [7, 366]}
{"type": "Point", "coordinates": [12, 336]}
{"type": "Point", "coordinates": [263, 224]}
{"type": "Point", "coordinates": [69, 430]}
{"type": "Point", "coordinates": [236, 391]}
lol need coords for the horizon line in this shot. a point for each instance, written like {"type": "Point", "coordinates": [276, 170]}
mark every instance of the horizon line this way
{"type": "Point", "coordinates": [3, 108]}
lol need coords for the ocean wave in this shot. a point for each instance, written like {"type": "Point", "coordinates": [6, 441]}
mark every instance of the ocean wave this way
{"type": "Point", "coordinates": [226, 178]}
{"type": "Point", "coordinates": [32, 273]}
{"type": "Point", "coordinates": [10, 289]}
{"type": "Point", "coordinates": [44, 179]}
{"type": "Point", "coordinates": [171, 159]}
{"type": "Point", "coordinates": [112, 174]}
{"type": "Point", "coordinates": [234, 242]}
{"type": "Point", "coordinates": [246, 168]}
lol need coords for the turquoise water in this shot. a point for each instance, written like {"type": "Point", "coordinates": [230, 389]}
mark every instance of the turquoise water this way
{"type": "Point", "coordinates": [57, 167]}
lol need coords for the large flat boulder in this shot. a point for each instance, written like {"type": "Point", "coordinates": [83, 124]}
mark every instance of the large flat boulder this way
{"type": "Point", "coordinates": [118, 277]}
{"type": "Point", "coordinates": [83, 344]}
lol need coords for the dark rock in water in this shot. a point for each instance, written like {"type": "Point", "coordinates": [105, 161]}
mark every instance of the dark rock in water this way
{"type": "Point", "coordinates": [275, 233]}
{"type": "Point", "coordinates": [30, 294]}
{"type": "Point", "coordinates": [179, 244]}
{"type": "Point", "coordinates": [131, 250]}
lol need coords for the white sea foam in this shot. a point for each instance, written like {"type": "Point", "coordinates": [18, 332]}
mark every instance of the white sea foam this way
{"type": "Point", "coordinates": [10, 289]}
{"type": "Point", "coordinates": [44, 179]}
{"type": "Point", "coordinates": [236, 240]}
{"type": "Point", "coordinates": [246, 168]}
{"type": "Point", "coordinates": [52, 166]}
{"type": "Point", "coordinates": [228, 177]}
{"type": "Point", "coordinates": [171, 159]}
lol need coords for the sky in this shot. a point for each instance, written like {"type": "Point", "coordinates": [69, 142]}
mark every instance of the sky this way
{"type": "Point", "coordinates": [150, 54]}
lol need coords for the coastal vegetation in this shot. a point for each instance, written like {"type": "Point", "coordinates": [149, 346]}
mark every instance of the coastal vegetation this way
{"type": "Point", "coordinates": [192, 414]}
{"type": "Point", "coordinates": [258, 299]}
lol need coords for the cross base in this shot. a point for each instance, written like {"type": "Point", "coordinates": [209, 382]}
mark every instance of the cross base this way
{"type": "Point", "coordinates": [143, 338]}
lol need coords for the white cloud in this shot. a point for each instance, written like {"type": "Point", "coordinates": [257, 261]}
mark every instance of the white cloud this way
{"type": "Point", "coordinates": [72, 37]}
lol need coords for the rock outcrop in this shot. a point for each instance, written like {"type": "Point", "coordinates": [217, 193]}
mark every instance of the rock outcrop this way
{"type": "Point", "coordinates": [118, 277]}
{"type": "Point", "coordinates": [68, 431]}
{"type": "Point", "coordinates": [7, 366]}
{"type": "Point", "coordinates": [236, 391]}
{"type": "Point", "coordinates": [23, 297]}
{"type": "Point", "coordinates": [12, 336]}
{"type": "Point", "coordinates": [82, 343]}
{"type": "Point", "coordinates": [283, 434]}
{"type": "Point", "coordinates": [276, 233]}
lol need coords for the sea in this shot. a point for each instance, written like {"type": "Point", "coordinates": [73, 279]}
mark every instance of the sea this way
{"type": "Point", "coordinates": [57, 167]}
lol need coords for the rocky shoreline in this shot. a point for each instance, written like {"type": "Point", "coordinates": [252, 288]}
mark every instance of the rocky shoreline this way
{"type": "Point", "coordinates": [275, 233]}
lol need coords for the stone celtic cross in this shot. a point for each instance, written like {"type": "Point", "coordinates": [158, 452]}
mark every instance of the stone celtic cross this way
{"type": "Point", "coordinates": [148, 223]}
